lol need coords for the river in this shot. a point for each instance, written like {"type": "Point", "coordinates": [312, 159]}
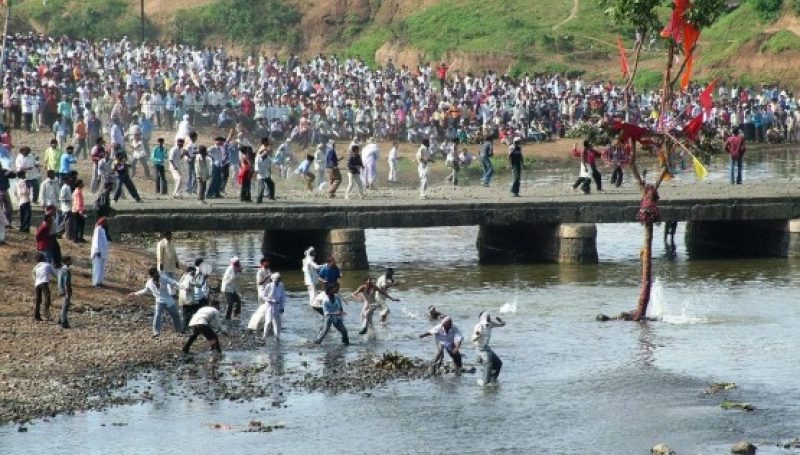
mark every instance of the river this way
{"type": "Point", "coordinates": [569, 384]}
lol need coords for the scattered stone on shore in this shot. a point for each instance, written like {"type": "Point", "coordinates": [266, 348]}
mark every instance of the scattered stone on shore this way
{"type": "Point", "coordinates": [744, 448]}
{"type": "Point", "coordinates": [716, 387]}
{"type": "Point", "coordinates": [729, 404]}
{"type": "Point", "coordinates": [22, 429]}
{"type": "Point", "coordinates": [662, 449]}
{"type": "Point", "coordinates": [793, 444]}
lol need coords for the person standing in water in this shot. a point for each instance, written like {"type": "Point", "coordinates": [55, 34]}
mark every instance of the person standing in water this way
{"type": "Point", "coordinates": [367, 293]}
{"type": "Point", "coordinates": [311, 273]}
{"type": "Point", "coordinates": [480, 339]}
{"type": "Point", "coordinates": [333, 313]}
{"type": "Point", "coordinates": [203, 322]}
{"type": "Point", "coordinates": [384, 283]}
{"type": "Point", "coordinates": [448, 338]}
{"type": "Point", "coordinates": [274, 296]}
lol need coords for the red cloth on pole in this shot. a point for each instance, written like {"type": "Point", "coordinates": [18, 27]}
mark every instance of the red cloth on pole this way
{"type": "Point", "coordinates": [705, 97]}
{"type": "Point", "coordinates": [623, 59]}
{"type": "Point", "coordinates": [692, 129]}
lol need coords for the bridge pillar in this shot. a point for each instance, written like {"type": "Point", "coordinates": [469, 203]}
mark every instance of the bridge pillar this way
{"type": "Point", "coordinates": [541, 242]}
{"type": "Point", "coordinates": [741, 238]}
{"type": "Point", "coordinates": [349, 248]}
{"type": "Point", "coordinates": [794, 238]}
{"type": "Point", "coordinates": [285, 247]}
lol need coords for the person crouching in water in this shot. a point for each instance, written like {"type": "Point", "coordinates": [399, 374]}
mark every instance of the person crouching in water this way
{"type": "Point", "coordinates": [159, 286]}
{"type": "Point", "coordinates": [480, 339]}
{"type": "Point", "coordinates": [275, 298]}
{"type": "Point", "coordinates": [204, 322]}
{"type": "Point", "coordinates": [448, 338]}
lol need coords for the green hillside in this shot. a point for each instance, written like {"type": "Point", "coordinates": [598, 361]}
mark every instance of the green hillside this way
{"type": "Point", "coordinates": [756, 41]}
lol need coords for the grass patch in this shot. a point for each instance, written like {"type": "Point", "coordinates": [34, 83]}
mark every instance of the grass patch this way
{"type": "Point", "coordinates": [368, 43]}
{"type": "Point", "coordinates": [248, 22]}
{"type": "Point", "coordinates": [781, 41]}
{"type": "Point", "coordinates": [725, 38]}
{"type": "Point", "coordinates": [94, 19]}
{"type": "Point", "coordinates": [647, 79]}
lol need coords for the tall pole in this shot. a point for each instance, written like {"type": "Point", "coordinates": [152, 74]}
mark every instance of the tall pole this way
{"type": "Point", "coordinates": [6, 31]}
{"type": "Point", "coordinates": [141, 19]}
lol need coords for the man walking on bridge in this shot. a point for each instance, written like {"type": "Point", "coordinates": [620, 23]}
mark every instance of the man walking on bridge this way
{"type": "Point", "coordinates": [515, 158]}
{"type": "Point", "coordinates": [423, 158]}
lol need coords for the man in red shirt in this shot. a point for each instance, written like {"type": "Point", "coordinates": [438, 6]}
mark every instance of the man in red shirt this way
{"type": "Point", "coordinates": [441, 73]}
{"type": "Point", "coordinates": [734, 145]}
{"type": "Point", "coordinates": [43, 244]}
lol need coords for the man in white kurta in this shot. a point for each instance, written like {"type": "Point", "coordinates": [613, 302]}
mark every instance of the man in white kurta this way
{"type": "Point", "coordinates": [99, 253]}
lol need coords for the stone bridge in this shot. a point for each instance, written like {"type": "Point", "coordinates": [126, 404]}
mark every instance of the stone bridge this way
{"type": "Point", "coordinates": [548, 225]}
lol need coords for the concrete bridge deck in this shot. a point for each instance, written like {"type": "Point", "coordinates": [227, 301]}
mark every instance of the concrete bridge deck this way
{"type": "Point", "coordinates": [466, 206]}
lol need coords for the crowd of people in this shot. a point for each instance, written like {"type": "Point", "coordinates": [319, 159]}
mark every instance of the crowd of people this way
{"type": "Point", "coordinates": [102, 101]}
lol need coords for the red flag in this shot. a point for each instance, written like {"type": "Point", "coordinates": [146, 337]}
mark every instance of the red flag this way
{"type": "Point", "coordinates": [705, 96]}
{"type": "Point", "coordinates": [676, 23]}
{"type": "Point", "coordinates": [623, 59]}
{"type": "Point", "coordinates": [692, 129]}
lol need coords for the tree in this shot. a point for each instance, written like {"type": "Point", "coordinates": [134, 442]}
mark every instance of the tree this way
{"type": "Point", "coordinates": [683, 31]}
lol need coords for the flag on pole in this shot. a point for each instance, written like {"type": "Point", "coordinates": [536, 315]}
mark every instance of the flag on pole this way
{"type": "Point", "coordinates": [692, 129]}
{"type": "Point", "coordinates": [705, 97]}
{"type": "Point", "coordinates": [699, 169]}
{"type": "Point", "coordinates": [623, 59]}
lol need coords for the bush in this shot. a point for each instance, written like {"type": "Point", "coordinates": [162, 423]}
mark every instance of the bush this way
{"type": "Point", "coordinates": [247, 22]}
{"type": "Point", "coordinates": [767, 10]}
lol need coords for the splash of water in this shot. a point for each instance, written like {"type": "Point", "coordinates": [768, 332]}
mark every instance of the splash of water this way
{"type": "Point", "coordinates": [660, 310]}
{"type": "Point", "coordinates": [509, 307]}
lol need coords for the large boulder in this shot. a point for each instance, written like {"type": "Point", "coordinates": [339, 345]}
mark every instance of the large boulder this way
{"type": "Point", "coordinates": [744, 448]}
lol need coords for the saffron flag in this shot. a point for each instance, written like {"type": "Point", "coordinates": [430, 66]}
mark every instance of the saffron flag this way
{"type": "Point", "coordinates": [623, 59]}
{"type": "Point", "coordinates": [699, 169]}
{"type": "Point", "coordinates": [705, 96]}
{"type": "Point", "coordinates": [690, 36]}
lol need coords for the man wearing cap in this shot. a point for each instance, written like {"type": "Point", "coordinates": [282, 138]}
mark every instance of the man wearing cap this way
{"type": "Point", "coordinates": [480, 339]}
{"type": "Point", "coordinates": [99, 252]}
{"type": "Point", "coordinates": [311, 273]}
{"type": "Point", "coordinates": [515, 158]}
{"type": "Point", "coordinates": [274, 295]}
{"type": "Point", "coordinates": [448, 338]}
{"type": "Point", "coordinates": [230, 288]}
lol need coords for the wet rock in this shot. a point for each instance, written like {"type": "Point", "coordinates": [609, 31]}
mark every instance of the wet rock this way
{"type": "Point", "coordinates": [717, 387]}
{"type": "Point", "coordinates": [662, 449]}
{"type": "Point", "coordinates": [728, 404]}
{"type": "Point", "coordinates": [22, 429]}
{"type": "Point", "coordinates": [602, 318]}
{"type": "Point", "coordinates": [744, 448]}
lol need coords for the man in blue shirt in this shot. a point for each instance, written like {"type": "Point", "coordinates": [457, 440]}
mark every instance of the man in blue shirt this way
{"type": "Point", "coordinates": [330, 273]}
{"type": "Point", "coordinates": [332, 315]}
{"type": "Point", "coordinates": [332, 165]}
{"type": "Point", "coordinates": [66, 163]}
{"type": "Point", "coordinates": [158, 157]}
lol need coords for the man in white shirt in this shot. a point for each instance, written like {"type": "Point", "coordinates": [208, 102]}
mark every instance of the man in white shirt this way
{"type": "Point", "coordinates": [448, 338]}
{"type": "Point", "coordinates": [480, 339]}
{"type": "Point", "coordinates": [159, 286]}
{"type": "Point", "coordinates": [310, 273]}
{"type": "Point", "coordinates": [42, 273]}
{"type": "Point", "coordinates": [204, 322]}
{"type": "Point", "coordinates": [230, 288]}
{"type": "Point", "coordinates": [175, 157]}
{"type": "Point", "coordinates": [423, 159]}
{"type": "Point", "coordinates": [65, 208]}
{"type": "Point", "coordinates": [48, 190]}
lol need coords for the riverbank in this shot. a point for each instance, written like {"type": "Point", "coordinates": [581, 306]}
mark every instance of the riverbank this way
{"type": "Point", "coordinates": [46, 370]}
